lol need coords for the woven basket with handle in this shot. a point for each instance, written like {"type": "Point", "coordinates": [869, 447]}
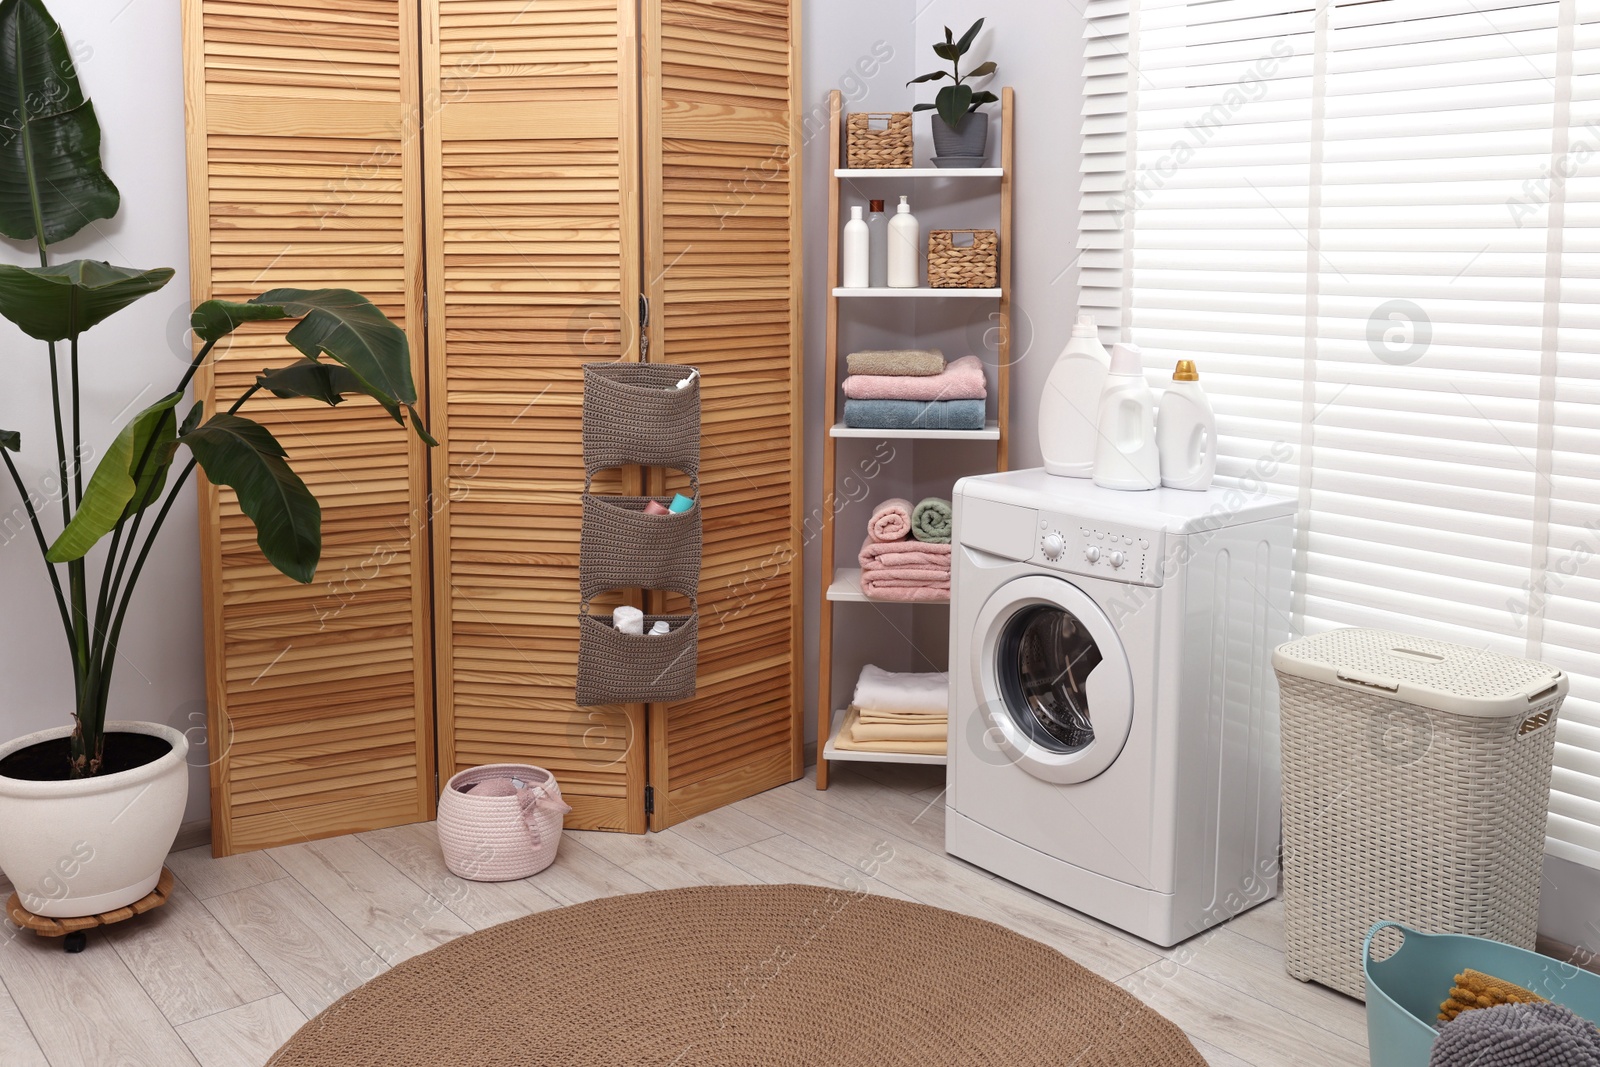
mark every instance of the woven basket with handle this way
{"type": "Point", "coordinates": [877, 140]}
{"type": "Point", "coordinates": [488, 838]}
{"type": "Point", "coordinates": [963, 259]}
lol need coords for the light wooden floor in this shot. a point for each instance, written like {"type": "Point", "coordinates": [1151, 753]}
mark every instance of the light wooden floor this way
{"type": "Point", "coordinates": [252, 946]}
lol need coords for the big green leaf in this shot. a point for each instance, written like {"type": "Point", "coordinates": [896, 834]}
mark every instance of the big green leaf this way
{"type": "Point", "coordinates": [11, 440]}
{"type": "Point", "coordinates": [216, 319]}
{"type": "Point", "coordinates": [49, 139]}
{"type": "Point", "coordinates": [242, 454]}
{"type": "Point", "coordinates": [331, 383]}
{"type": "Point", "coordinates": [61, 301]}
{"type": "Point", "coordinates": [112, 491]}
{"type": "Point", "coordinates": [968, 37]}
{"type": "Point", "coordinates": [935, 76]}
{"type": "Point", "coordinates": [351, 330]}
{"type": "Point", "coordinates": [984, 69]}
{"type": "Point", "coordinates": [952, 102]}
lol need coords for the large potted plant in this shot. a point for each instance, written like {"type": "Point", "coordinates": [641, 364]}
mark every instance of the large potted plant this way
{"type": "Point", "coordinates": [960, 130]}
{"type": "Point", "coordinates": [88, 810]}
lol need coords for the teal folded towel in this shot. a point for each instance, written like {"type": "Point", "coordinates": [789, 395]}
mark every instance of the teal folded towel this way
{"type": "Point", "coordinates": [914, 414]}
{"type": "Point", "coordinates": [930, 521]}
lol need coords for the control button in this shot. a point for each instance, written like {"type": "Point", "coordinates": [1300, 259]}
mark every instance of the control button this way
{"type": "Point", "coordinates": [1044, 523]}
{"type": "Point", "coordinates": [1092, 554]}
{"type": "Point", "coordinates": [1116, 559]}
{"type": "Point", "coordinates": [1143, 543]}
{"type": "Point", "coordinates": [1053, 545]}
{"type": "Point", "coordinates": [1100, 535]}
{"type": "Point", "coordinates": [1127, 540]}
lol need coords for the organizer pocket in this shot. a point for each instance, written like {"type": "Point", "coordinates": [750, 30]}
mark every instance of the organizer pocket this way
{"type": "Point", "coordinates": [624, 547]}
{"type": "Point", "coordinates": [619, 668]}
{"type": "Point", "coordinates": [633, 413]}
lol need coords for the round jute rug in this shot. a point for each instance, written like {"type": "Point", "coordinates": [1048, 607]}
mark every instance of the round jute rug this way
{"type": "Point", "coordinates": [741, 976]}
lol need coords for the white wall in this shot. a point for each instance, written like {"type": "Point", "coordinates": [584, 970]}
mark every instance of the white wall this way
{"type": "Point", "coordinates": [130, 63]}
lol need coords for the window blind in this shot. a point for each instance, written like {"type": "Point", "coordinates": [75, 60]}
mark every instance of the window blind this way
{"type": "Point", "coordinates": [1375, 226]}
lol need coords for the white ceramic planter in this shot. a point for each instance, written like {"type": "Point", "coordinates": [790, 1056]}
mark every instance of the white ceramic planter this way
{"type": "Point", "coordinates": [92, 845]}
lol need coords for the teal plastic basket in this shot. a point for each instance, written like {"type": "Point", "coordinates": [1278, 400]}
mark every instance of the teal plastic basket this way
{"type": "Point", "coordinates": [1404, 991]}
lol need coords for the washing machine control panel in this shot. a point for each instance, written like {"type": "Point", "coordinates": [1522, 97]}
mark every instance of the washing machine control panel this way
{"type": "Point", "coordinates": [1096, 548]}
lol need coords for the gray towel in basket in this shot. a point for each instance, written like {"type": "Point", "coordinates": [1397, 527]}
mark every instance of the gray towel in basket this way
{"type": "Point", "coordinates": [1517, 1035]}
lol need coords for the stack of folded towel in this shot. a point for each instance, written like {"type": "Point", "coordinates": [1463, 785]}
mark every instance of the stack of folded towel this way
{"type": "Point", "coordinates": [906, 555]}
{"type": "Point", "coordinates": [897, 713]}
{"type": "Point", "coordinates": [913, 390]}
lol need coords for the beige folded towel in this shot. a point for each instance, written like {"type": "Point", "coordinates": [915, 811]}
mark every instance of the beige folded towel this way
{"type": "Point", "coordinates": [863, 731]}
{"type": "Point", "coordinates": [897, 719]}
{"type": "Point", "coordinates": [846, 741]}
{"type": "Point", "coordinates": [911, 362]}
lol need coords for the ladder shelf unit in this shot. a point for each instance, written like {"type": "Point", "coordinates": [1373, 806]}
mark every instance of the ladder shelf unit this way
{"type": "Point", "coordinates": [842, 586]}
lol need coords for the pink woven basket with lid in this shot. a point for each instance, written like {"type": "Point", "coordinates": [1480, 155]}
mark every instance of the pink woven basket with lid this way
{"type": "Point", "coordinates": [498, 838]}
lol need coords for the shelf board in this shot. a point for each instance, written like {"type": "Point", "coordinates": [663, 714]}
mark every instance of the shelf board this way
{"type": "Point", "coordinates": [990, 432]}
{"type": "Point", "coordinates": [920, 172]}
{"type": "Point", "coordinates": [921, 291]}
{"type": "Point", "coordinates": [846, 589]}
{"type": "Point", "coordinates": [831, 752]}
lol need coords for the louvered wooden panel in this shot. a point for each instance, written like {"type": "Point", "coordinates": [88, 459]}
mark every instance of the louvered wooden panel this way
{"type": "Point", "coordinates": [723, 258]}
{"type": "Point", "coordinates": [303, 172]}
{"type": "Point", "coordinates": [533, 264]}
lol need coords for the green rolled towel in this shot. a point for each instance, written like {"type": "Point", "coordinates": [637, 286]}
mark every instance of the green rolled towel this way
{"type": "Point", "coordinates": [930, 521]}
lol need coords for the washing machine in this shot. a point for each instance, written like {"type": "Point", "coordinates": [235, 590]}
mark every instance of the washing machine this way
{"type": "Point", "coordinates": [1113, 710]}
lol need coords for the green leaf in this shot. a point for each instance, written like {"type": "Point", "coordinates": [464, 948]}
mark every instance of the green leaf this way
{"type": "Point", "coordinates": [980, 98]}
{"type": "Point", "coordinates": [216, 319]}
{"type": "Point", "coordinates": [11, 440]}
{"type": "Point", "coordinates": [935, 76]}
{"type": "Point", "coordinates": [949, 38]}
{"type": "Point", "coordinates": [236, 452]}
{"type": "Point", "coordinates": [921, 107]}
{"type": "Point", "coordinates": [112, 492]}
{"type": "Point", "coordinates": [331, 383]}
{"type": "Point", "coordinates": [952, 102]}
{"type": "Point", "coordinates": [983, 69]}
{"type": "Point", "coordinates": [351, 330]}
{"type": "Point", "coordinates": [62, 301]}
{"type": "Point", "coordinates": [45, 120]}
{"type": "Point", "coordinates": [191, 420]}
{"type": "Point", "coordinates": [945, 50]}
{"type": "Point", "coordinates": [968, 37]}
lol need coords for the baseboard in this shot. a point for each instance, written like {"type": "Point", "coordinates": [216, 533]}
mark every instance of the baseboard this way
{"type": "Point", "coordinates": [811, 753]}
{"type": "Point", "coordinates": [190, 835]}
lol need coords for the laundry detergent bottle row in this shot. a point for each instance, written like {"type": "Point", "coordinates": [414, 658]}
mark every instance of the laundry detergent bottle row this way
{"type": "Point", "coordinates": [1125, 454]}
{"type": "Point", "coordinates": [1070, 404]}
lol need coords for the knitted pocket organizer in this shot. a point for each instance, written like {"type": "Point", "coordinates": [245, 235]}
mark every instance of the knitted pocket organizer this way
{"type": "Point", "coordinates": [634, 413]}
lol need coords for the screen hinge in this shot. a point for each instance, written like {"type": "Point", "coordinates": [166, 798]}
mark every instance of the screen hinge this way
{"type": "Point", "coordinates": [644, 328]}
{"type": "Point", "coordinates": [649, 800]}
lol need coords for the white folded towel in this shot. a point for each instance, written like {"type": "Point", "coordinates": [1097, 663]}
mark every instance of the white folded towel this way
{"type": "Point", "coordinates": [881, 690]}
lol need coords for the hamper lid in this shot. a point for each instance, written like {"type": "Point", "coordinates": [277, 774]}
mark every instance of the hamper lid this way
{"type": "Point", "coordinates": [1446, 677]}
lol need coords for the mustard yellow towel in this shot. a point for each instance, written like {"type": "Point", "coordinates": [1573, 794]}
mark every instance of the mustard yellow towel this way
{"type": "Point", "coordinates": [865, 731]}
{"type": "Point", "coordinates": [845, 741]}
{"type": "Point", "coordinates": [1474, 989]}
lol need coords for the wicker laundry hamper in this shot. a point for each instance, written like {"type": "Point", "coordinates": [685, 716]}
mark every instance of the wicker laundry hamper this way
{"type": "Point", "coordinates": [1416, 778]}
{"type": "Point", "coordinates": [497, 837]}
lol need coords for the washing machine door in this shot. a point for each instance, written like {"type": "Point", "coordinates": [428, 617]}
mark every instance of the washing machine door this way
{"type": "Point", "coordinates": [1054, 684]}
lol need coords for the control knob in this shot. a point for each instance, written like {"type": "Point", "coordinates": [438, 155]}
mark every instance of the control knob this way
{"type": "Point", "coordinates": [1092, 553]}
{"type": "Point", "coordinates": [1116, 559]}
{"type": "Point", "coordinates": [1053, 546]}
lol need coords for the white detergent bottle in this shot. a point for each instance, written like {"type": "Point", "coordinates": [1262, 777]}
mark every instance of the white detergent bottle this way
{"type": "Point", "coordinates": [905, 261]}
{"type": "Point", "coordinates": [1070, 406]}
{"type": "Point", "coordinates": [856, 253]}
{"type": "Point", "coordinates": [1125, 455]}
{"type": "Point", "coordinates": [1186, 432]}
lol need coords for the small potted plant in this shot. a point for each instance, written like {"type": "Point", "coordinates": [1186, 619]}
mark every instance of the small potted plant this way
{"type": "Point", "coordinates": [89, 809]}
{"type": "Point", "coordinates": [960, 130]}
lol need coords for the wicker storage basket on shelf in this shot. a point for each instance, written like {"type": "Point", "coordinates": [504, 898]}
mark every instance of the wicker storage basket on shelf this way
{"type": "Point", "coordinates": [954, 263]}
{"type": "Point", "coordinates": [1416, 778]}
{"type": "Point", "coordinates": [498, 838]}
{"type": "Point", "coordinates": [877, 140]}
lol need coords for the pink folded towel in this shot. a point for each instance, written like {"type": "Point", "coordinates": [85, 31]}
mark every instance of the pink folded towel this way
{"type": "Point", "coordinates": [891, 521]}
{"type": "Point", "coordinates": [880, 554]}
{"type": "Point", "coordinates": [905, 570]}
{"type": "Point", "coordinates": [961, 380]}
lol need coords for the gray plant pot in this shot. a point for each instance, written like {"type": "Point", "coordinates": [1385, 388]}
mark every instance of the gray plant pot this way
{"type": "Point", "coordinates": [969, 138]}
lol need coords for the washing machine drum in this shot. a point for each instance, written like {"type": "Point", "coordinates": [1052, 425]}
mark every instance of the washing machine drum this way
{"type": "Point", "coordinates": [1054, 684]}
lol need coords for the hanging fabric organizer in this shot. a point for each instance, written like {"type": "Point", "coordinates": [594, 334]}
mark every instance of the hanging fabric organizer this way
{"type": "Point", "coordinates": [639, 414]}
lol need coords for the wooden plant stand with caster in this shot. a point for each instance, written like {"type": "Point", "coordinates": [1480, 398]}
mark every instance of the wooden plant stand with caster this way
{"type": "Point", "coordinates": [74, 930]}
